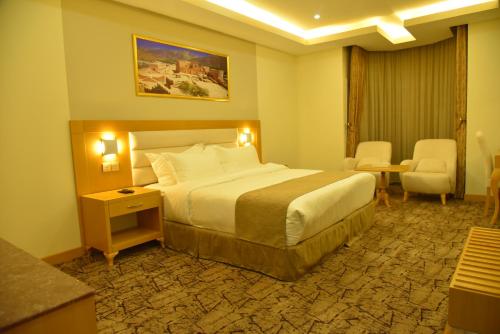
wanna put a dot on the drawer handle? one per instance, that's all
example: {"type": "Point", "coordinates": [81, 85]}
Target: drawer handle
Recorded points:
{"type": "Point", "coordinates": [134, 206]}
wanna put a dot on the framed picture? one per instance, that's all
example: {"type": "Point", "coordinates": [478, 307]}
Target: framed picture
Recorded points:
{"type": "Point", "coordinates": [165, 69]}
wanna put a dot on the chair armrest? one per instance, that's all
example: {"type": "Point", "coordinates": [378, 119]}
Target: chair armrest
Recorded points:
{"type": "Point", "coordinates": [411, 163]}
{"type": "Point", "coordinates": [350, 163]}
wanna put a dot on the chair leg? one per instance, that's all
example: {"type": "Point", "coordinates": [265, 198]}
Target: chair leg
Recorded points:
{"type": "Point", "coordinates": [443, 199]}
{"type": "Point", "coordinates": [377, 196]}
{"type": "Point", "coordinates": [487, 201]}
{"type": "Point", "coordinates": [405, 196]}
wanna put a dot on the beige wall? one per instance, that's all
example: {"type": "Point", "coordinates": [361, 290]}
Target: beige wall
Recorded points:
{"type": "Point", "coordinates": [277, 104]}
{"type": "Point", "coordinates": [483, 100]}
{"type": "Point", "coordinates": [38, 206]}
{"type": "Point", "coordinates": [75, 62]}
{"type": "Point", "coordinates": [98, 45]}
{"type": "Point", "coordinates": [321, 109]}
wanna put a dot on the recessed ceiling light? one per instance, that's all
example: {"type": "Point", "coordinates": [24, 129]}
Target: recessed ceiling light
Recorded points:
{"type": "Point", "coordinates": [317, 16]}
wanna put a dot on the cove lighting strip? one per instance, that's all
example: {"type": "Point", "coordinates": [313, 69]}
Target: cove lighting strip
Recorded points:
{"type": "Point", "coordinates": [387, 26]}
{"type": "Point", "coordinates": [439, 7]}
{"type": "Point", "coordinates": [258, 14]}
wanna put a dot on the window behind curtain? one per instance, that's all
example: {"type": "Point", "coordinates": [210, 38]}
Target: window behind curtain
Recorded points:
{"type": "Point", "coordinates": [410, 95]}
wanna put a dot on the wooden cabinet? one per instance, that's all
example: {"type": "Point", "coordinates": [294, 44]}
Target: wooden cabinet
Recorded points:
{"type": "Point", "coordinates": [474, 303]}
{"type": "Point", "coordinates": [98, 210]}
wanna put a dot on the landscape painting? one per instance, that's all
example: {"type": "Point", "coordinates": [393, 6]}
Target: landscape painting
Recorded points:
{"type": "Point", "coordinates": [167, 70]}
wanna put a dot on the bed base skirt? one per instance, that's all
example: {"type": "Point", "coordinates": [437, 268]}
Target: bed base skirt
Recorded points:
{"type": "Point", "coordinates": [288, 264]}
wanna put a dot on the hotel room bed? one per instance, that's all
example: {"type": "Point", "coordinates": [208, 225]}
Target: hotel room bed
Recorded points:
{"type": "Point", "coordinates": [203, 217]}
{"type": "Point", "coordinates": [211, 203]}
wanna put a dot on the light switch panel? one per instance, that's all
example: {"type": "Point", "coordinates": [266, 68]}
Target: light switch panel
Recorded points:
{"type": "Point", "coordinates": [115, 166]}
{"type": "Point", "coordinates": [110, 166]}
{"type": "Point", "coordinates": [106, 167]}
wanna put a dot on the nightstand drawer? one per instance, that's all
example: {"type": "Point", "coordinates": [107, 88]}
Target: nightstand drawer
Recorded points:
{"type": "Point", "coordinates": [133, 205]}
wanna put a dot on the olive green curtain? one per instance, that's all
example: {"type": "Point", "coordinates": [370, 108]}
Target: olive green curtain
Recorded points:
{"type": "Point", "coordinates": [461, 106]}
{"type": "Point", "coordinates": [410, 95]}
{"type": "Point", "coordinates": [355, 98]}
{"type": "Point", "coordinates": [407, 95]}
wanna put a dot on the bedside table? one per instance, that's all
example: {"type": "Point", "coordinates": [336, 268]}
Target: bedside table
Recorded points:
{"type": "Point", "coordinates": [98, 209]}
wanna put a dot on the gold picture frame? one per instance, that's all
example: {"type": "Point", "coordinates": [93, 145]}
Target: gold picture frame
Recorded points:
{"type": "Point", "coordinates": [165, 69]}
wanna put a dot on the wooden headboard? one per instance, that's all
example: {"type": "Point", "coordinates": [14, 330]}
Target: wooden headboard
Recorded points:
{"type": "Point", "coordinates": [87, 163]}
{"type": "Point", "coordinates": [174, 141]}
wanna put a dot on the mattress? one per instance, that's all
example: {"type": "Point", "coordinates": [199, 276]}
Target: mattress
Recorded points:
{"type": "Point", "coordinates": [210, 203]}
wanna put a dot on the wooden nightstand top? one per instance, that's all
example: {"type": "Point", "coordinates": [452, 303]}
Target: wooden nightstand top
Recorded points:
{"type": "Point", "coordinates": [114, 195]}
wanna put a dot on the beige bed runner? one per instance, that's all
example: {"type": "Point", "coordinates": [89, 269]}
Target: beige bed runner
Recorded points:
{"type": "Point", "coordinates": [261, 214]}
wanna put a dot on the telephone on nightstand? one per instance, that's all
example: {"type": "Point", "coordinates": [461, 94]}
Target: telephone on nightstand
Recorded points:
{"type": "Point", "coordinates": [126, 191]}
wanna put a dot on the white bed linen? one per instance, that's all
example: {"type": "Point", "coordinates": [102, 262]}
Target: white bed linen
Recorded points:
{"type": "Point", "coordinates": [210, 203]}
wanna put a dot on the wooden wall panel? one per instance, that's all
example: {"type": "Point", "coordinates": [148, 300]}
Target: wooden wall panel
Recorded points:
{"type": "Point", "coordinates": [99, 181]}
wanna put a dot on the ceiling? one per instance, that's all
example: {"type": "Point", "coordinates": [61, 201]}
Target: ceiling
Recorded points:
{"type": "Point", "coordinates": [301, 12]}
{"type": "Point", "coordinates": [289, 26]}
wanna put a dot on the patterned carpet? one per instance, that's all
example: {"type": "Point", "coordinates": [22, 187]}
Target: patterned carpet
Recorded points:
{"type": "Point", "coordinates": [394, 279]}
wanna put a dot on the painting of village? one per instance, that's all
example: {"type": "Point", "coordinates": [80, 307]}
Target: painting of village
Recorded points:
{"type": "Point", "coordinates": [163, 69]}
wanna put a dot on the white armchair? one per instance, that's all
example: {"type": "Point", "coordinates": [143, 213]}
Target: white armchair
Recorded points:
{"type": "Point", "coordinates": [432, 169]}
{"type": "Point", "coordinates": [371, 153]}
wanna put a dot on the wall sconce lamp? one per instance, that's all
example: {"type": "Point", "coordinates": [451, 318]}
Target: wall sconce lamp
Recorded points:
{"type": "Point", "coordinates": [108, 147]}
{"type": "Point", "coordinates": [246, 137]}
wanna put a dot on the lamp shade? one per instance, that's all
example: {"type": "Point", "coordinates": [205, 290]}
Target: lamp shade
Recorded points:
{"type": "Point", "coordinates": [246, 138]}
{"type": "Point", "coordinates": [109, 146]}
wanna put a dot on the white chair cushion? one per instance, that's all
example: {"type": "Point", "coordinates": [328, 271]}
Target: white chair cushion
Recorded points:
{"type": "Point", "coordinates": [426, 183]}
{"type": "Point", "coordinates": [381, 150]}
{"type": "Point", "coordinates": [372, 162]}
{"type": "Point", "coordinates": [431, 166]}
{"type": "Point", "coordinates": [369, 161]}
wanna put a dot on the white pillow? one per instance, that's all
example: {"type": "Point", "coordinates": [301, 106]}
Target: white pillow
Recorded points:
{"type": "Point", "coordinates": [236, 159]}
{"type": "Point", "coordinates": [163, 169]}
{"type": "Point", "coordinates": [193, 166]}
{"type": "Point", "coordinates": [165, 172]}
{"type": "Point", "coordinates": [431, 166]}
